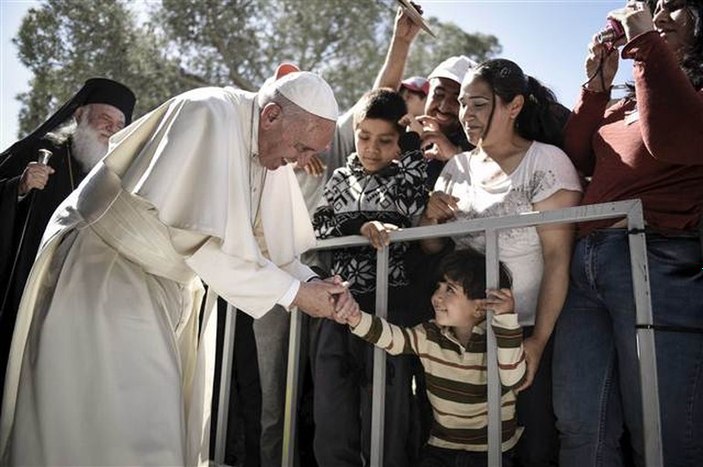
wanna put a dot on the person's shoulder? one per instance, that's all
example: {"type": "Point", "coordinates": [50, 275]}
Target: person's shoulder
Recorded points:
{"type": "Point", "coordinates": [209, 97]}
{"type": "Point", "coordinates": [459, 162]}
{"type": "Point", "coordinates": [546, 154]}
{"type": "Point", "coordinates": [216, 102]}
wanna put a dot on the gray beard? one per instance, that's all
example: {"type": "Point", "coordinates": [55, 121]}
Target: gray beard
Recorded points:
{"type": "Point", "coordinates": [86, 147]}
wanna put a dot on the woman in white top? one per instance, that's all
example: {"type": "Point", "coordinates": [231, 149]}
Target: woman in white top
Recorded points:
{"type": "Point", "coordinates": [515, 124]}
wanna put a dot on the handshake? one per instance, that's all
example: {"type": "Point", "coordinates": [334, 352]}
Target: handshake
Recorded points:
{"type": "Point", "coordinates": [329, 298]}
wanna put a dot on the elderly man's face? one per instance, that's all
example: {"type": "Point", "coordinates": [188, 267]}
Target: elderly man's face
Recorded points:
{"type": "Point", "coordinates": [284, 139]}
{"type": "Point", "coordinates": [105, 119]}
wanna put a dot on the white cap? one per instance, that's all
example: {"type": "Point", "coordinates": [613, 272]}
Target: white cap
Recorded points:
{"type": "Point", "coordinates": [453, 68]}
{"type": "Point", "coordinates": [308, 91]}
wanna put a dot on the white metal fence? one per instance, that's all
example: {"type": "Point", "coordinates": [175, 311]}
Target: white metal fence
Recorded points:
{"type": "Point", "coordinates": [631, 210]}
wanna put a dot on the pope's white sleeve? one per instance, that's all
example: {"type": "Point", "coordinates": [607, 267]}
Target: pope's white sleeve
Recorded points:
{"type": "Point", "coordinates": [251, 286]}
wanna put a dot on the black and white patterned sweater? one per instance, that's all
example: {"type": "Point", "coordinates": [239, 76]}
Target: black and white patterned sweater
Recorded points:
{"type": "Point", "coordinates": [396, 195]}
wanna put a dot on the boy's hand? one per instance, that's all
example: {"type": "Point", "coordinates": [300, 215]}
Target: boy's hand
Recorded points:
{"type": "Point", "coordinates": [347, 310]}
{"type": "Point", "coordinates": [499, 300]}
{"type": "Point", "coordinates": [377, 233]}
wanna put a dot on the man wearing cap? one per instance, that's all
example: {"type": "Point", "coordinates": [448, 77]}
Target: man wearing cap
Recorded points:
{"type": "Point", "coordinates": [77, 136]}
{"type": "Point", "coordinates": [117, 368]}
{"type": "Point", "coordinates": [414, 91]}
{"type": "Point", "coordinates": [439, 127]}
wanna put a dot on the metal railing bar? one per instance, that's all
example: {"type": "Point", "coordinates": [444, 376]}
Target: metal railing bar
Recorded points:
{"type": "Point", "coordinates": [495, 424]}
{"type": "Point", "coordinates": [577, 214]}
{"type": "Point", "coordinates": [225, 380]}
{"type": "Point", "coordinates": [378, 401]}
{"type": "Point", "coordinates": [632, 209]}
{"type": "Point", "coordinates": [292, 387]}
{"type": "Point", "coordinates": [645, 339]}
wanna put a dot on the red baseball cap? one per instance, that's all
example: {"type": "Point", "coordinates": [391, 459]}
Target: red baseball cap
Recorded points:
{"type": "Point", "coordinates": [416, 84]}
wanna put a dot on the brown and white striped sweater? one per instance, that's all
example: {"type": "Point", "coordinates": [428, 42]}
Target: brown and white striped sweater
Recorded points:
{"type": "Point", "coordinates": [457, 376]}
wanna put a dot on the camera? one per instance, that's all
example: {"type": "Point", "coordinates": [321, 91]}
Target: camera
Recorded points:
{"type": "Point", "coordinates": [612, 32]}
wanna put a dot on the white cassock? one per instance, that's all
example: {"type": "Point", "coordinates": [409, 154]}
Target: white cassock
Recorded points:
{"type": "Point", "coordinates": [108, 366]}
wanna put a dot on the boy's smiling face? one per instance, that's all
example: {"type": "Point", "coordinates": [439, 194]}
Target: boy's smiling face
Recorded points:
{"type": "Point", "coordinates": [376, 143]}
{"type": "Point", "coordinates": [452, 307]}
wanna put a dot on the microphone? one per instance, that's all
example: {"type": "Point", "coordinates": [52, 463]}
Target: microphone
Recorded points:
{"type": "Point", "coordinates": [44, 156]}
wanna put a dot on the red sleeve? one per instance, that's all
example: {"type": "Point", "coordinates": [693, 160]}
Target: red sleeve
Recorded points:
{"type": "Point", "coordinates": [583, 123]}
{"type": "Point", "coordinates": [670, 109]}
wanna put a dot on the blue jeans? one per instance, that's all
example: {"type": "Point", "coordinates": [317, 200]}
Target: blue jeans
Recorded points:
{"type": "Point", "coordinates": [596, 368]}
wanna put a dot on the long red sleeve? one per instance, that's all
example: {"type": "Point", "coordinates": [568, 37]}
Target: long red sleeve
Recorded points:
{"type": "Point", "coordinates": [651, 148]}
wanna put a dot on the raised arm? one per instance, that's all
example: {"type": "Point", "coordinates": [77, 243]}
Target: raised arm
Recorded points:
{"type": "Point", "coordinates": [404, 32]}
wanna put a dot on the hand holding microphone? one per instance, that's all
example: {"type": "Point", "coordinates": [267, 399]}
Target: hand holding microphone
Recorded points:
{"type": "Point", "coordinates": [36, 174]}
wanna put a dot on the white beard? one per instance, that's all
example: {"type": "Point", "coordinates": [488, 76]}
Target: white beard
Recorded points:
{"type": "Point", "coordinates": [87, 148]}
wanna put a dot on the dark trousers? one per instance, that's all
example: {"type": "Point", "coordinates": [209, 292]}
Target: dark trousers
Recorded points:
{"type": "Point", "coordinates": [441, 457]}
{"type": "Point", "coordinates": [343, 376]}
{"type": "Point", "coordinates": [244, 421]}
{"type": "Point", "coordinates": [539, 443]}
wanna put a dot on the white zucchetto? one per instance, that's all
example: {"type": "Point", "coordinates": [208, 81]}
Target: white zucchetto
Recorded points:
{"type": "Point", "coordinates": [308, 91]}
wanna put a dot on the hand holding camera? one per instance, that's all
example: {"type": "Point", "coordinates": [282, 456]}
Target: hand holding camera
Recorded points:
{"type": "Point", "coordinates": [624, 24]}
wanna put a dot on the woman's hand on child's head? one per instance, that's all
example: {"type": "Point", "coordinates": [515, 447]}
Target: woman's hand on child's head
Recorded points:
{"type": "Point", "coordinates": [377, 233]}
{"type": "Point", "coordinates": [499, 300]}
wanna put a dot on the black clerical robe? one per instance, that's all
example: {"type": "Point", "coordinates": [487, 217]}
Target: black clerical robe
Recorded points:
{"type": "Point", "coordinates": [34, 211]}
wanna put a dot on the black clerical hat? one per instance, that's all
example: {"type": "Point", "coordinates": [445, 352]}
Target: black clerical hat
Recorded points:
{"type": "Point", "coordinates": [94, 91]}
{"type": "Point", "coordinates": [107, 91]}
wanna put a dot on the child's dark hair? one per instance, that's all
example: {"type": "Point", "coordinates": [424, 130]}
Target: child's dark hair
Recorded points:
{"type": "Point", "coordinates": [468, 268]}
{"type": "Point", "coordinates": [383, 104]}
{"type": "Point", "coordinates": [540, 118]}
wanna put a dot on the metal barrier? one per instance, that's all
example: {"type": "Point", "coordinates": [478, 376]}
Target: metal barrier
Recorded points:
{"type": "Point", "coordinates": [632, 210]}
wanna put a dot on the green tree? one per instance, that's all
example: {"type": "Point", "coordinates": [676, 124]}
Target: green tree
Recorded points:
{"type": "Point", "coordinates": [166, 48]}
{"type": "Point", "coordinates": [63, 43]}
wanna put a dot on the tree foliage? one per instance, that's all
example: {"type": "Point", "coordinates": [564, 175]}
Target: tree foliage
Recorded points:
{"type": "Point", "coordinates": [164, 49]}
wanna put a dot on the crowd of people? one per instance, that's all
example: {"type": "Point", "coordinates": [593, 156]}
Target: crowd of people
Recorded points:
{"type": "Point", "coordinates": [119, 241]}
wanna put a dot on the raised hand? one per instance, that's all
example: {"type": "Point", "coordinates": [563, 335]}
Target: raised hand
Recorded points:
{"type": "Point", "coordinates": [404, 27]}
{"type": "Point", "coordinates": [431, 135]}
{"type": "Point", "coordinates": [601, 66]}
{"type": "Point", "coordinates": [499, 300]}
{"type": "Point", "coordinates": [313, 166]}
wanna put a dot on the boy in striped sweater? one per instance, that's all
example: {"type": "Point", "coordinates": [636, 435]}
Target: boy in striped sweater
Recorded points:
{"type": "Point", "coordinates": [452, 349]}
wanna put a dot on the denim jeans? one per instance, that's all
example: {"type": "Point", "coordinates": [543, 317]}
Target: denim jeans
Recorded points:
{"type": "Point", "coordinates": [596, 369]}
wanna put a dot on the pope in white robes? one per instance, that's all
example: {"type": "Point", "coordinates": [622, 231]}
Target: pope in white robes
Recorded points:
{"type": "Point", "coordinates": [109, 365]}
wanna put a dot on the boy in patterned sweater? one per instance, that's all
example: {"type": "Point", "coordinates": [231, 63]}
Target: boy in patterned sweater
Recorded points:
{"type": "Point", "coordinates": [452, 349]}
{"type": "Point", "coordinates": [381, 188]}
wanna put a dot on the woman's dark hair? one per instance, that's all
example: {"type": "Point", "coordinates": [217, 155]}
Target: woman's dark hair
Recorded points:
{"type": "Point", "coordinates": [468, 268]}
{"type": "Point", "coordinates": [692, 60]}
{"type": "Point", "coordinates": [541, 117]}
{"type": "Point", "coordinates": [692, 63]}
{"type": "Point", "coordinates": [383, 104]}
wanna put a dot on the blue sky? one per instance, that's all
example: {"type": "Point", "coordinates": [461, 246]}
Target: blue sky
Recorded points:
{"type": "Point", "coordinates": [547, 38]}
